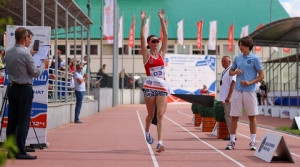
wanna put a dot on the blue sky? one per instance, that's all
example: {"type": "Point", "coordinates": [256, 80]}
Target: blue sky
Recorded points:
{"type": "Point", "coordinates": [292, 7]}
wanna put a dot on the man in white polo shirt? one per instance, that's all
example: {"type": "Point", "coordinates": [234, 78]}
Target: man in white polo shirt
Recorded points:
{"type": "Point", "coordinates": [227, 83]}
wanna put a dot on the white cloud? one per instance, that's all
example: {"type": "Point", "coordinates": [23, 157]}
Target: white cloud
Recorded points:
{"type": "Point", "coordinates": [292, 7]}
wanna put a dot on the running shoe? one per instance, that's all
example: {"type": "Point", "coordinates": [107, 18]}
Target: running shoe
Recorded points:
{"type": "Point", "coordinates": [252, 146]}
{"type": "Point", "coordinates": [149, 138]}
{"type": "Point", "coordinates": [160, 148]}
{"type": "Point", "coordinates": [230, 146]}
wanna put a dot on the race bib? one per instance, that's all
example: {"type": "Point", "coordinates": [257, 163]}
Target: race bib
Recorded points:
{"type": "Point", "coordinates": [157, 71]}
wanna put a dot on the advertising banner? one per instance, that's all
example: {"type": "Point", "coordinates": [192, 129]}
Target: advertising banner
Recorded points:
{"type": "Point", "coordinates": [40, 100]}
{"type": "Point", "coordinates": [186, 74]}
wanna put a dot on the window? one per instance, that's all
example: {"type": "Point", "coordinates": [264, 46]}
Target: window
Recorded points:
{"type": "Point", "coordinates": [62, 48]}
{"type": "Point", "coordinates": [213, 52]}
{"type": "Point", "coordinates": [78, 49]}
{"type": "Point", "coordinates": [183, 49]}
{"type": "Point", "coordinates": [125, 48]}
{"type": "Point", "coordinates": [137, 50]}
{"type": "Point", "coordinates": [225, 50]}
{"type": "Point", "coordinates": [196, 51]}
{"type": "Point", "coordinates": [170, 49]}
{"type": "Point", "coordinates": [94, 49]}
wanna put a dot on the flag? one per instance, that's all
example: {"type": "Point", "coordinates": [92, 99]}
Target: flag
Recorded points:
{"type": "Point", "coordinates": [120, 34]}
{"type": "Point", "coordinates": [108, 26]}
{"type": "Point", "coordinates": [258, 48]}
{"type": "Point", "coordinates": [180, 32]}
{"type": "Point", "coordinates": [161, 32]}
{"type": "Point", "coordinates": [199, 34]}
{"type": "Point", "coordinates": [212, 35]}
{"type": "Point", "coordinates": [230, 38]}
{"type": "Point", "coordinates": [131, 34]}
{"type": "Point", "coordinates": [287, 50]}
{"type": "Point", "coordinates": [147, 28]}
{"type": "Point", "coordinates": [245, 31]}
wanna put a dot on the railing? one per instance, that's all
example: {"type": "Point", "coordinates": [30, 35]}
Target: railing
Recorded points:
{"type": "Point", "coordinates": [65, 87]}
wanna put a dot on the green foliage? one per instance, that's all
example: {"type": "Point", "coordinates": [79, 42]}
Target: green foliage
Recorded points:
{"type": "Point", "coordinates": [206, 111]}
{"type": "Point", "coordinates": [4, 20]}
{"type": "Point", "coordinates": [288, 129]}
{"type": "Point", "coordinates": [219, 111]}
{"type": "Point", "coordinates": [194, 108]}
{"type": "Point", "coordinates": [10, 147]}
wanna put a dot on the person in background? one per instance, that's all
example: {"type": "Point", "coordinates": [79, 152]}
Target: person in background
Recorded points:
{"type": "Point", "coordinates": [21, 70]}
{"type": "Point", "coordinates": [258, 95]}
{"type": "Point", "coordinates": [153, 61]}
{"type": "Point", "coordinates": [204, 90]}
{"type": "Point", "coordinates": [102, 70]}
{"type": "Point", "coordinates": [248, 70]}
{"type": "Point", "coordinates": [79, 90]}
{"type": "Point", "coordinates": [71, 66]}
{"type": "Point", "coordinates": [264, 93]}
{"type": "Point", "coordinates": [227, 84]}
{"type": "Point", "coordinates": [2, 64]}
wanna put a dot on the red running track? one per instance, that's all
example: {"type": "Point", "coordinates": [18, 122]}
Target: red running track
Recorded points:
{"type": "Point", "coordinates": [115, 137]}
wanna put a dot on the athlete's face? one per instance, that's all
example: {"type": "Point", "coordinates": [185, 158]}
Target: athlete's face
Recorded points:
{"type": "Point", "coordinates": [153, 43]}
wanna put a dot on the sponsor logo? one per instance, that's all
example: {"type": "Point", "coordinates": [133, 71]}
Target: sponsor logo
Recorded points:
{"type": "Point", "coordinates": [150, 61]}
{"type": "Point", "coordinates": [262, 144]}
{"type": "Point", "coordinates": [149, 82]}
{"type": "Point", "coordinates": [286, 113]}
{"type": "Point", "coordinates": [12, 34]}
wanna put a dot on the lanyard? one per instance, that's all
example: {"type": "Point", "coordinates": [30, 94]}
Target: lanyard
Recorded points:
{"type": "Point", "coordinates": [225, 71]}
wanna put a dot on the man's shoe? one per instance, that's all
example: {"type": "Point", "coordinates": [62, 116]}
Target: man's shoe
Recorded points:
{"type": "Point", "coordinates": [25, 156]}
{"type": "Point", "coordinates": [149, 138]}
{"type": "Point", "coordinates": [160, 148]}
{"type": "Point", "coordinates": [78, 122]}
{"type": "Point", "coordinates": [230, 145]}
{"type": "Point", "coordinates": [252, 146]}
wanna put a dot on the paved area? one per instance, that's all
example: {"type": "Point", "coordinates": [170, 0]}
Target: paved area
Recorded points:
{"type": "Point", "coordinates": [115, 137]}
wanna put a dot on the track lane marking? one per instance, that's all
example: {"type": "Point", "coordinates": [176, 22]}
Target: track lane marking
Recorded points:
{"type": "Point", "coordinates": [297, 155]}
{"type": "Point", "coordinates": [225, 155]}
{"type": "Point", "coordinates": [155, 163]}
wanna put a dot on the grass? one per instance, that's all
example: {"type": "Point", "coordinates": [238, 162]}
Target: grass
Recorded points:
{"type": "Point", "coordinates": [288, 129]}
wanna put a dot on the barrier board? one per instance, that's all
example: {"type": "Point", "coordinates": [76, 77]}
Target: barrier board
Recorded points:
{"type": "Point", "coordinates": [296, 123]}
{"type": "Point", "coordinates": [270, 144]}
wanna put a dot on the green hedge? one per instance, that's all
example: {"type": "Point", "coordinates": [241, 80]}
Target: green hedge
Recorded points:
{"type": "Point", "coordinates": [206, 111]}
{"type": "Point", "coordinates": [219, 111]}
{"type": "Point", "coordinates": [195, 108]}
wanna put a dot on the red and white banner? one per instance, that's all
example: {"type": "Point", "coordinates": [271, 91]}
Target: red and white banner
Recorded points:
{"type": "Point", "coordinates": [245, 31]}
{"type": "Point", "coordinates": [212, 35]}
{"type": "Point", "coordinates": [258, 48]}
{"type": "Point", "coordinates": [199, 34]}
{"type": "Point", "coordinates": [287, 50]}
{"type": "Point", "coordinates": [230, 38]}
{"type": "Point", "coordinates": [161, 32]}
{"type": "Point", "coordinates": [180, 32]}
{"type": "Point", "coordinates": [131, 34]}
{"type": "Point", "coordinates": [120, 34]}
{"type": "Point", "coordinates": [108, 26]}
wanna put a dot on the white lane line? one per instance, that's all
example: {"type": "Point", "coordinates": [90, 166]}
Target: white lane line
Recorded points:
{"type": "Point", "coordinates": [297, 155]}
{"type": "Point", "coordinates": [270, 130]}
{"type": "Point", "coordinates": [184, 114]}
{"type": "Point", "coordinates": [155, 163]}
{"type": "Point", "coordinates": [233, 160]}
